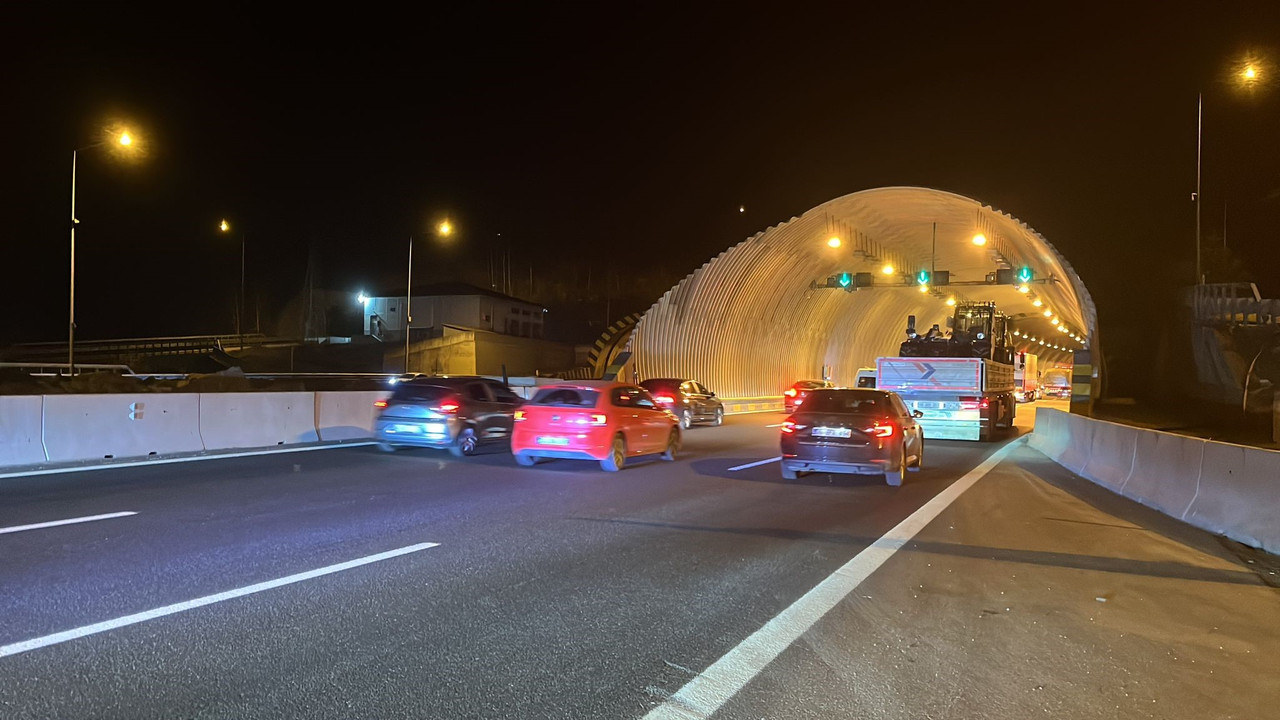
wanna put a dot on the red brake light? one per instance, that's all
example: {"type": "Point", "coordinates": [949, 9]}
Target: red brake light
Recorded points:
{"type": "Point", "coordinates": [380, 404]}
{"type": "Point", "coordinates": [663, 399]}
{"type": "Point", "coordinates": [881, 429]}
{"type": "Point", "coordinates": [984, 404]}
{"type": "Point", "coordinates": [790, 392]}
{"type": "Point", "coordinates": [788, 426]}
{"type": "Point", "coordinates": [519, 415]}
{"type": "Point", "coordinates": [448, 408]}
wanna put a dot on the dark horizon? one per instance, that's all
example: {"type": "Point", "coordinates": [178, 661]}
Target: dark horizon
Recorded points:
{"type": "Point", "coordinates": [604, 145]}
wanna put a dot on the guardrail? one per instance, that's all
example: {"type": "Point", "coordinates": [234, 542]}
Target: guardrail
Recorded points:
{"type": "Point", "coordinates": [1231, 490]}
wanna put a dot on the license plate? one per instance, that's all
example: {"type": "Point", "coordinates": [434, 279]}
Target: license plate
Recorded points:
{"type": "Point", "coordinates": [404, 428]}
{"type": "Point", "coordinates": [930, 405]}
{"type": "Point", "coordinates": [435, 428]}
{"type": "Point", "coordinates": [832, 432]}
{"type": "Point", "coordinates": [552, 440]}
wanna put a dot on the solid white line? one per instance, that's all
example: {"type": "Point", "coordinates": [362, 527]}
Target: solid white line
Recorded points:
{"type": "Point", "coordinates": [68, 635]}
{"type": "Point", "coordinates": [751, 465]}
{"type": "Point", "coordinates": [704, 694]}
{"type": "Point", "coordinates": [71, 521]}
{"type": "Point", "coordinates": [213, 455]}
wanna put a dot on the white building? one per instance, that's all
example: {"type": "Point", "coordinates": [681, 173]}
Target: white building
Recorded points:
{"type": "Point", "coordinates": [454, 304]}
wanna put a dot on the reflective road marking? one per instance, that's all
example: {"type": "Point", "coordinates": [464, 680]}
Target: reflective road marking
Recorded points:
{"type": "Point", "coordinates": [72, 521]}
{"type": "Point", "coordinates": [713, 687]}
{"type": "Point", "coordinates": [751, 465]}
{"type": "Point", "coordinates": [68, 635]}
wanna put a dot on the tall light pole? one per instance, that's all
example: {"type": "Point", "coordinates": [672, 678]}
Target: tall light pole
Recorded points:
{"type": "Point", "coordinates": [1199, 125]}
{"type": "Point", "coordinates": [225, 226]}
{"type": "Point", "coordinates": [125, 140]}
{"type": "Point", "coordinates": [443, 229]}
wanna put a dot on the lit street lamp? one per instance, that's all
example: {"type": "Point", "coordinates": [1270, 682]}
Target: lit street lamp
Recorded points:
{"type": "Point", "coordinates": [444, 229]}
{"type": "Point", "coordinates": [124, 139]}
{"type": "Point", "coordinates": [225, 226]}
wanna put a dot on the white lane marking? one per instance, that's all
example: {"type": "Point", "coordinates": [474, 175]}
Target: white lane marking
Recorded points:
{"type": "Point", "coordinates": [212, 455]}
{"type": "Point", "coordinates": [703, 695]}
{"type": "Point", "coordinates": [751, 465]}
{"type": "Point", "coordinates": [71, 521]}
{"type": "Point", "coordinates": [76, 633]}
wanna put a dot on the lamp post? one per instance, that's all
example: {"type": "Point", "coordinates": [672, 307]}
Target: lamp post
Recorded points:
{"type": "Point", "coordinates": [443, 229]}
{"type": "Point", "coordinates": [125, 140]}
{"type": "Point", "coordinates": [225, 226]}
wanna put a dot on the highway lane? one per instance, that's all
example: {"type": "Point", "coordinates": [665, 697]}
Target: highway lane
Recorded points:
{"type": "Point", "coordinates": [555, 591]}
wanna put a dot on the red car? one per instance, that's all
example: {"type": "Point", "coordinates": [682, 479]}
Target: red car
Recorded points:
{"type": "Point", "coordinates": [795, 395]}
{"type": "Point", "coordinates": [598, 420]}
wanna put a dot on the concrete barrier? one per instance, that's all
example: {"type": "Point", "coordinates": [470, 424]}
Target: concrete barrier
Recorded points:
{"type": "Point", "coordinates": [1166, 471]}
{"type": "Point", "coordinates": [1075, 455]}
{"type": "Point", "coordinates": [20, 420]}
{"type": "Point", "coordinates": [94, 427]}
{"type": "Point", "coordinates": [1231, 490]}
{"type": "Point", "coordinates": [248, 420]}
{"type": "Point", "coordinates": [346, 415]}
{"type": "Point", "coordinates": [1111, 455]}
{"type": "Point", "coordinates": [1052, 434]}
{"type": "Point", "coordinates": [1239, 495]}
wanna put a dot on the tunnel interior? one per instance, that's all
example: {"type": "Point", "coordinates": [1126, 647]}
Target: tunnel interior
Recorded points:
{"type": "Point", "coordinates": [760, 315]}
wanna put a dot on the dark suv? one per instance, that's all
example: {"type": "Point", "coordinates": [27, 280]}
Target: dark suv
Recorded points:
{"type": "Point", "coordinates": [688, 399]}
{"type": "Point", "coordinates": [460, 413]}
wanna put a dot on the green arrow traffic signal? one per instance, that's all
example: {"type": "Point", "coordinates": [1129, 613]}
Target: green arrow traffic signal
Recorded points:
{"type": "Point", "coordinates": [922, 277]}
{"type": "Point", "coordinates": [1025, 275]}
{"type": "Point", "coordinates": [845, 279]}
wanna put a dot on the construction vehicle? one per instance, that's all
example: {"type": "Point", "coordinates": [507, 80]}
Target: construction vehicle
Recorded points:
{"type": "Point", "coordinates": [961, 381]}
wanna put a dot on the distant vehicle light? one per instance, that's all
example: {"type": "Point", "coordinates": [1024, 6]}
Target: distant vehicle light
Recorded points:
{"type": "Point", "coordinates": [520, 416]}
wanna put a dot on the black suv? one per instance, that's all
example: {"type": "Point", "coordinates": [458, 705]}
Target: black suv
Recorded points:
{"type": "Point", "coordinates": [458, 412]}
{"type": "Point", "coordinates": [688, 399]}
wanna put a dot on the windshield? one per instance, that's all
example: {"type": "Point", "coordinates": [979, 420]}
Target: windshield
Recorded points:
{"type": "Point", "coordinates": [566, 397]}
{"type": "Point", "coordinates": [413, 392]}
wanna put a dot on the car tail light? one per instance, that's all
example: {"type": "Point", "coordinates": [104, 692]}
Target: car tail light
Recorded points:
{"type": "Point", "coordinates": [788, 426]}
{"type": "Point", "coordinates": [380, 404]}
{"type": "Point", "coordinates": [592, 419]}
{"type": "Point", "coordinates": [448, 408]}
{"type": "Point", "coordinates": [790, 392]}
{"type": "Point", "coordinates": [881, 429]}
{"type": "Point", "coordinates": [799, 401]}
{"type": "Point", "coordinates": [520, 416]}
{"type": "Point", "coordinates": [663, 399]}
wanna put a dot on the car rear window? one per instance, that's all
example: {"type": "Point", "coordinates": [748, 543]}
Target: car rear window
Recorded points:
{"type": "Point", "coordinates": [847, 402]}
{"type": "Point", "coordinates": [412, 392]}
{"type": "Point", "coordinates": [566, 397]}
{"type": "Point", "coordinates": [666, 385]}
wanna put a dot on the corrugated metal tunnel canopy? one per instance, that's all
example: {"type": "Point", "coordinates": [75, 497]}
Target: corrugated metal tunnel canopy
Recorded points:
{"type": "Point", "coordinates": [749, 322]}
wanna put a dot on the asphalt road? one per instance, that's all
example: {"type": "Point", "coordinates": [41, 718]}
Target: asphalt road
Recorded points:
{"type": "Point", "coordinates": [487, 590]}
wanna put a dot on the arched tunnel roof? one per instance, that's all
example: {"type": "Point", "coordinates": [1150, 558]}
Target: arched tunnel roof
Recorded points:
{"type": "Point", "coordinates": [749, 322]}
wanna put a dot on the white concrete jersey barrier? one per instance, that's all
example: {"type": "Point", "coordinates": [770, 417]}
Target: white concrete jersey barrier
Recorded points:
{"type": "Point", "coordinates": [346, 415]}
{"type": "Point", "coordinates": [1228, 489]}
{"type": "Point", "coordinates": [257, 419]}
{"type": "Point", "coordinates": [20, 439]}
{"type": "Point", "coordinates": [95, 427]}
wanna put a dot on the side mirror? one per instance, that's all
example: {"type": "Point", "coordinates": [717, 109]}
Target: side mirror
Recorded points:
{"type": "Point", "coordinates": [917, 414]}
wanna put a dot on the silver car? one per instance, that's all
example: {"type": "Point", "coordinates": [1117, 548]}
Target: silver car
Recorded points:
{"type": "Point", "coordinates": [458, 413]}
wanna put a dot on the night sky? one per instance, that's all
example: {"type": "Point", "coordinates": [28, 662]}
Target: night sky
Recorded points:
{"type": "Point", "coordinates": [622, 139]}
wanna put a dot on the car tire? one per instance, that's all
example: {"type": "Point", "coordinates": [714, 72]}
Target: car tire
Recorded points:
{"type": "Point", "coordinates": [788, 473]}
{"type": "Point", "coordinates": [466, 444]}
{"type": "Point", "coordinates": [526, 460]}
{"type": "Point", "coordinates": [686, 419]}
{"type": "Point", "coordinates": [918, 465]}
{"type": "Point", "coordinates": [896, 477]}
{"type": "Point", "coordinates": [719, 417]}
{"type": "Point", "coordinates": [673, 445]}
{"type": "Point", "coordinates": [617, 455]}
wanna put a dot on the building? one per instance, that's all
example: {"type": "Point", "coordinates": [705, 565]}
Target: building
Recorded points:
{"type": "Point", "coordinates": [453, 304]}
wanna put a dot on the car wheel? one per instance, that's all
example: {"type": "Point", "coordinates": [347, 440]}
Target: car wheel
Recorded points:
{"type": "Point", "coordinates": [673, 445]}
{"type": "Point", "coordinates": [686, 419]}
{"type": "Point", "coordinates": [919, 463]}
{"type": "Point", "coordinates": [896, 477]}
{"type": "Point", "coordinates": [465, 444]}
{"type": "Point", "coordinates": [788, 473]}
{"type": "Point", "coordinates": [617, 456]}
{"type": "Point", "coordinates": [387, 447]}
{"type": "Point", "coordinates": [719, 417]}
{"type": "Point", "coordinates": [526, 460]}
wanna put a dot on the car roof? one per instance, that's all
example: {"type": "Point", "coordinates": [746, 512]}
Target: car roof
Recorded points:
{"type": "Point", "coordinates": [585, 384]}
{"type": "Point", "coordinates": [666, 380]}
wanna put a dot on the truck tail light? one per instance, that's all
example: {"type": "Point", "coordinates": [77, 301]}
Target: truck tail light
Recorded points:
{"type": "Point", "coordinates": [974, 403]}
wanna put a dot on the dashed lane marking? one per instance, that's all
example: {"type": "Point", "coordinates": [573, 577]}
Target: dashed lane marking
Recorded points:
{"type": "Point", "coordinates": [69, 521]}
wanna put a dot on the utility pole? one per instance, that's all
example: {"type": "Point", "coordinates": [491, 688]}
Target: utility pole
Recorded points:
{"type": "Point", "coordinates": [408, 303]}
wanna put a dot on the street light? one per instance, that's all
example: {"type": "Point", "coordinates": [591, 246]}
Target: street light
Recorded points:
{"type": "Point", "coordinates": [887, 269]}
{"type": "Point", "coordinates": [979, 239]}
{"type": "Point", "coordinates": [124, 139]}
{"type": "Point", "coordinates": [225, 226]}
{"type": "Point", "coordinates": [834, 242]}
{"type": "Point", "coordinates": [443, 229]}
